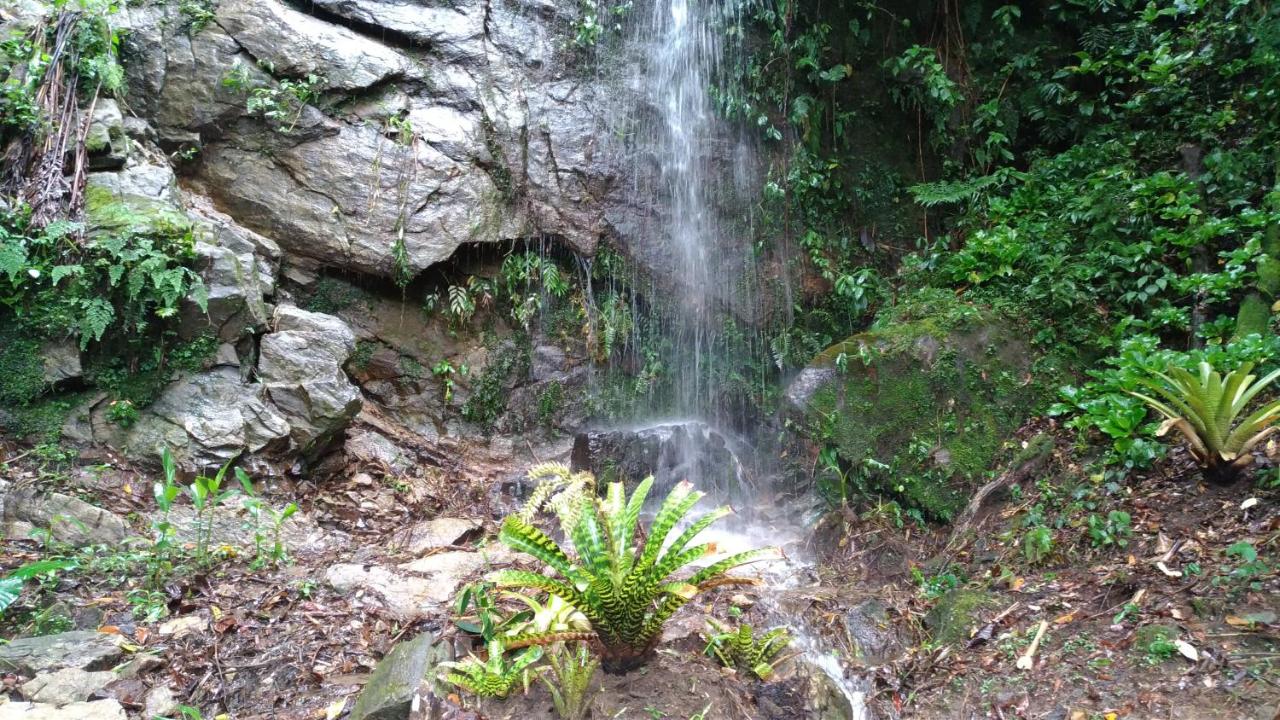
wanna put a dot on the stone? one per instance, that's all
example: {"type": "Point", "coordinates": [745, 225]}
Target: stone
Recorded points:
{"type": "Point", "coordinates": [78, 649]}
{"type": "Point", "coordinates": [70, 519]}
{"type": "Point", "coordinates": [297, 45]}
{"type": "Point", "coordinates": [232, 524]}
{"type": "Point", "coordinates": [206, 419]}
{"type": "Point", "coordinates": [955, 614]}
{"type": "Point", "coordinates": [61, 360]}
{"type": "Point", "coordinates": [390, 690]}
{"type": "Point", "coordinates": [155, 182]}
{"type": "Point", "coordinates": [66, 686]}
{"type": "Point", "coordinates": [184, 626]}
{"type": "Point", "coordinates": [376, 449]}
{"type": "Point", "coordinates": [95, 710]}
{"type": "Point", "coordinates": [437, 533]}
{"type": "Point", "coordinates": [106, 142]}
{"type": "Point", "coordinates": [301, 365]}
{"type": "Point", "coordinates": [406, 598]}
{"type": "Point", "coordinates": [956, 378]}
{"type": "Point", "coordinates": [159, 702]}
{"type": "Point", "coordinates": [548, 363]}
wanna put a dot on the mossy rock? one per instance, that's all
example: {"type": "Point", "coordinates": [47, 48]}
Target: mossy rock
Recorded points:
{"type": "Point", "coordinates": [109, 213]}
{"type": "Point", "coordinates": [956, 613]}
{"type": "Point", "coordinates": [1146, 635]}
{"type": "Point", "coordinates": [932, 395]}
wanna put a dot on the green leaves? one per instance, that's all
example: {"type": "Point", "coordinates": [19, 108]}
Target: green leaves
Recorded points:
{"type": "Point", "coordinates": [626, 592]}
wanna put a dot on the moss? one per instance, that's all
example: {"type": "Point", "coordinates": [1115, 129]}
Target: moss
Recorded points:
{"type": "Point", "coordinates": [108, 213]}
{"type": "Point", "coordinates": [956, 613]}
{"type": "Point", "coordinates": [1148, 634]}
{"type": "Point", "coordinates": [21, 370]}
{"type": "Point", "coordinates": [1254, 317]}
{"type": "Point", "coordinates": [930, 398]}
{"type": "Point", "coordinates": [331, 296]}
{"type": "Point", "coordinates": [40, 421]}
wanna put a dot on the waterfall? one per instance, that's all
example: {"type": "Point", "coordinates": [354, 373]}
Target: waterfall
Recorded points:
{"type": "Point", "coordinates": [689, 160]}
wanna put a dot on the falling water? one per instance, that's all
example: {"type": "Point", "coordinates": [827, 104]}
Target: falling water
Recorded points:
{"type": "Point", "coordinates": [689, 160]}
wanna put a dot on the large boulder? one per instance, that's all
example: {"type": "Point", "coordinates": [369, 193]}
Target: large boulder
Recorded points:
{"type": "Point", "coordinates": [301, 364]}
{"type": "Point", "coordinates": [921, 404]}
{"type": "Point", "coordinates": [68, 519]}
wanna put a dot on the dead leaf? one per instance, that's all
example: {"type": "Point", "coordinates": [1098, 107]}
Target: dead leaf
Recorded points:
{"type": "Point", "coordinates": [1188, 650]}
{"type": "Point", "coordinates": [335, 709]}
{"type": "Point", "coordinates": [1248, 503]}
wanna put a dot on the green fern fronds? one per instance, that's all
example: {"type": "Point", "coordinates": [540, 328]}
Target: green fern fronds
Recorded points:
{"type": "Point", "coordinates": [622, 584]}
{"type": "Point", "coordinates": [741, 649]}
{"type": "Point", "coordinates": [1205, 408]}
{"type": "Point", "coordinates": [946, 192]}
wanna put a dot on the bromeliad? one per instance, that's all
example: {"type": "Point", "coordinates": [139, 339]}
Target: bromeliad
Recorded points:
{"type": "Point", "coordinates": [625, 587]}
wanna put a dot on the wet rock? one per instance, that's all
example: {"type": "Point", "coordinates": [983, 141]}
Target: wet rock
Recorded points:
{"type": "Point", "coordinates": [956, 378]}
{"type": "Point", "coordinates": [70, 519]}
{"type": "Point", "coordinates": [548, 363]}
{"type": "Point", "coordinates": [671, 452]}
{"type": "Point", "coordinates": [872, 631]}
{"type": "Point", "coordinates": [437, 533]}
{"type": "Point", "coordinates": [96, 710]}
{"type": "Point", "coordinates": [106, 142]}
{"type": "Point", "coordinates": [301, 366]}
{"type": "Point", "coordinates": [78, 649]}
{"type": "Point", "coordinates": [66, 686]}
{"type": "Point", "coordinates": [61, 360]}
{"type": "Point", "coordinates": [391, 689]}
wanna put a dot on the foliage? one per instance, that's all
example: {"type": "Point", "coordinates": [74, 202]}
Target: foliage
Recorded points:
{"type": "Point", "coordinates": [446, 371]}
{"type": "Point", "coordinates": [497, 675]}
{"type": "Point", "coordinates": [565, 493]}
{"type": "Point", "coordinates": [484, 618]}
{"type": "Point", "coordinates": [276, 552]}
{"type": "Point", "coordinates": [625, 587]}
{"type": "Point", "coordinates": [744, 650]}
{"type": "Point", "coordinates": [281, 104]}
{"type": "Point", "coordinates": [1205, 408]}
{"type": "Point", "coordinates": [1037, 544]}
{"type": "Point", "coordinates": [117, 285]}
{"type": "Point", "coordinates": [11, 584]}
{"type": "Point", "coordinates": [489, 393]}
{"type": "Point", "coordinates": [569, 680]}
{"type": "Point", "coordinates": [1114, 530]}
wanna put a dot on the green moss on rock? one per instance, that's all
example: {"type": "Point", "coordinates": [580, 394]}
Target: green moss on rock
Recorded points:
{"type": "Point", "coordinates": [926, 400]}
{"type": "Point", "coordinates": [956, 613]}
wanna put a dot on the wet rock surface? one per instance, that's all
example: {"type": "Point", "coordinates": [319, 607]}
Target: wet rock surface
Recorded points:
{"type": "Point", "coordinates": [77, 650]}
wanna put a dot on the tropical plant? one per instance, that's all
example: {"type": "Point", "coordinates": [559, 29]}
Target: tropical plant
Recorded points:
{"type": "Point", "coordinates": [478, 613]}
{"type": "Point", "coordinates": [495, 676]}
{"type": "Point", "coordinates": [623, 586]}
{"type": "Point", "coordinates": [742, 649]}
{"type": "Point", "coordinates": [569, 679]}
{"type": "Point", "coordinates": [11, 584]}
{"type": "Point", "coordinates": [1205, 408]}
{"type": "Point", "coordinates": [564, 492]}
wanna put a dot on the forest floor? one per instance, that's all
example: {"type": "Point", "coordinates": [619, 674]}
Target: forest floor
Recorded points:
{"type": "Point", "coordinates": [1179, 622]}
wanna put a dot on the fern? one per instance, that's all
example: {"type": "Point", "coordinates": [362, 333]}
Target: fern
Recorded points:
{"type": "Point", "coordinates": [96, 317]}
{"type": "Point", "coordinates": [560, 490]}
{"type": "Point", "coordinates": [947, 192]}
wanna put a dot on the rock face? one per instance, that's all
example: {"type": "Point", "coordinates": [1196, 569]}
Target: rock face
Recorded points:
{"type": "Point", "coordinates": [66, 686]}
{"type": "Point", "coordinates": [96, 710]}
{"type": "Point", "coordinates": [398, 677]}
{"type": "Point", "coordinates": [490, 141]}
{"type": "Point", "coordinates": [933, 397]}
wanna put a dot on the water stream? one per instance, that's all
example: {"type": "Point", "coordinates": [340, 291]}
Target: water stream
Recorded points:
{"type": "Point", "coordinates": [680, 46]}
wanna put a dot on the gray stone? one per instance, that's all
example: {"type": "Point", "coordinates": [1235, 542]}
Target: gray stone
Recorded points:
{"type": "Point", "coordinates": [301, 365]}
{"type": "Point", "coordinates": [376, 449]}
{"type": "Point", "coordinates": [78, 649]}
{"type": "Point", "coordinates": [66, 686]}
{"type": "Point", "coordinates": [106, 142]}
{"type": "Point", "coordinates": [232, 524]}
{"type": "Point", "coordinates": [390, 691]}
{"type": "Point", "coordinates": [406, 598]}
{"type": "Point", "coordinates": [809, 381]}
{"type": "Point", "coordinates": [454, 29]}
{"type": "Point", "coordinates": [296, 45]}
{"type": "Point", "coordinates": [549, 363]}
{"type": "Point", "coordinates": [437, 533]}
{"type": "Point", "coordinates": [61, 360]}
{"type": "Point", "coordinates": [69, 519]}
{"type": "Point", "coordinates": [155, 182]}
{"type": "Point", "coordinates": [159, 702]}
{"type": "Point", "coordinates": [96, 710]}
{"type": "Point", "coordinates": [206, 419]}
